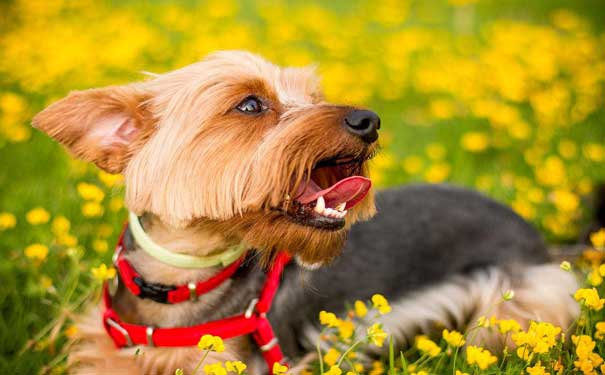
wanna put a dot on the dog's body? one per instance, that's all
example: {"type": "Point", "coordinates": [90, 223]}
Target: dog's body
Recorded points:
{"type": "Point", "coordinates": [234, 149]}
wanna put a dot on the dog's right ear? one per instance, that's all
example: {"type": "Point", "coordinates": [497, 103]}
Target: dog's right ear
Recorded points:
{"type": "Point", "coordinates": [105, 126]}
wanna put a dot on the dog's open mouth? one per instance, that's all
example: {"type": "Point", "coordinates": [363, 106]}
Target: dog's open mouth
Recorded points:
{"type": "Point", "coordinates": [323, 199]}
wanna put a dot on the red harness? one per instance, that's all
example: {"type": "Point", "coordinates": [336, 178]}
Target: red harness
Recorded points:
{"type": "Point", "coordinates": [252, 322]}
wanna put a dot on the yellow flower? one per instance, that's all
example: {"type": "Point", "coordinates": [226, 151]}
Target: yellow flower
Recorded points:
{"type": "Point", "coordinates": [37, 216]}
{"type": "Point", "coordinates": [458, 372]}
{"type": "Point", "coordinates": [179, 371]}
{"type": "Point", "coordinates": [427, 346]}
{"type": "Point", "coordinates": [235, 366]}
{"type": "Point", "coordinates": [60, 225]}
{"type": "Point", "coordinates": [36, 251]}
{"type": "Point", "coordinates": [215, 369]}
{"type": "Point", "coordinates": [435, 151]}
{"type": "Point", "coordinates": [538, 369]}
{"type": "Point", "coordinates": [71, 331]}
{"type": "Point", "coordinates": [90, 192]}
{"type": "Point", "coordinates": [103, 273]}
{"type": "Point", "coordinates": [346, 329]}
{"type": "Point", "coordinates": [474, 141]}
{"type": "Point", "coordinates": [412, 164]}
{"type": "Point", "coordinates": [598, 238]}
{"type": "Point", "coordinates": [7, 221]}
{"type": "Point", "coordinates": [480, 357]}
{"type": "Point", "coordinates": [453, 338]}
{"type": "Point", "coordinates": [377, 368]}
{"type": "Point", "coordinates": [92, 209]}
{"type": "Point", "coordinates": [381, 304]}
{"type": "Point", "coordinates": [212, 343]}
{"type": "Point", "coordinates": [590, 298]}
{"type": "Point", "coordinates": [508, 325]}
{"type": "Point", "coordinates": [421, 372]}
{"type": "Point", "coordinates": [334, 370]}
{"type": "Point", "coordinates": [376, 335]}
{"type": "Point", "coordinates": [331, 356]}
{"type": "Point", "coordinates": [437, 172]}
{"type": "Point", "coordinates": [328, 319]}
{"type": "Point", "coordinates": [279, 369]}
{"type": "Point", "coordinates": [565, 201]}
{"type": "Point", "coordinates": [67, 240]}
{"type": "Point", "coordinates": [565, 266]}
{"type": "Point", "coordinates": [100, 246]}
{"type": "Point", "coordinates": [600, 331]}
{"type": "Point", "coordinates": [361, 309]}
{"type": "Point", "coordinates": [587, 359]}
{"type": "Point", "coordinates": [508, 295]}
{"type": "Point", "coordinates": [109, 179]}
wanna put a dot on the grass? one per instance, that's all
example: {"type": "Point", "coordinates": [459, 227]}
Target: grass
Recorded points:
{"type": "Point", "coordinates": [505, 97]}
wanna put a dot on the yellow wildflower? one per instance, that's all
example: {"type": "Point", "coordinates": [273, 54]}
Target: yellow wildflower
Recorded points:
{"type": "Point", "coordinates": [590, 298]}
{"type": "Point", "coordinates": [539, 338]}
{"type": "Point", "coordinates": [598, 238]}
{"type": "Point", "coordinates": [100, 246]}
{"type": "Point", "coordinates": [376, 335]}
{"type": "Point", "coordinates": [92, 209]}
{"type": "Point", "coordinates": [110, 179]}
{"type": "Point", "coordinates": [480, 357]}
{"type": "Point", "coordinates": [565, 266]}
{"type": "Point", "coordinates": [453, 338]}
{"type": "Point", "coordinates": [474, 141]}
{"type": "Point", "coordinates": [90, 192]}
{"type": "Point", "coordinates": [334, 370]}
{"type": "Point", "coordinates": [67, 240]}
{"type": "Point", "coordinates": [421, 372]}
{"type": "Point", "coordinates": [458, 372]}
{"type": "Point", "coordinates": [331, 356]}
{"type": "Point", "coordinates": [37, 216]}
{"type": "Point", "coordinates": [361, 309]}
{"type": "Point", "coordinates": [508, 325]}
{"type": "Point", "coordinates": [538, 369]}
{"type": "Point", "coordinates": [587, 359]}
{"type": "Point", "coordinates": [71, 331]}
{"type": "Point", "coordinates": [279, 369]}
{"type": "Point", "coordinates": [60, 225]}
{"type": "Point", "coordinates": [212, 343]}
{"type": "Point", "coordinates": [36, 251]}
{"type": "Point", "coordinates": [508, 295]}
{"type": "Point", "coordinates": [427, 346]}
{"type": "Point", "coordinates": [436, 151]}
{"type": "Point", "coordinates": [600, 331]}
{"type": "Point", "coordinates": [103, 273]}
{"type": "Point", "coordinates": [594, 277]}
{"type": "Point", "coordinates": [346, 329]}
{"type": "Point", "coordinates": [235, 366]}
{"type": "Point", "coordinates": [215, 369]}
{"type": "Point", "coordinates": [437, 172]}
{"type": "Point", "coordinates": [328, 319]}
{"type": "Point", "coordinates": [565, 201]}
{"type": "Point", "coordinates": [7, 221]}
{"type": "Point", "coordinates": [412, 164]}
{"type": "Point", "coordinates": [381, 304]}
{"type": "Point", "coordinates": [179, 371]}
{"type": "Point", "coordinates": [377, 368]}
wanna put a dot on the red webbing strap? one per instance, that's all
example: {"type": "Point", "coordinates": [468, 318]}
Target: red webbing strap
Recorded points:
{"type": "Point", "coordinates": [182, 292]}
{"type": "Point", "coordinates": [272, 282]}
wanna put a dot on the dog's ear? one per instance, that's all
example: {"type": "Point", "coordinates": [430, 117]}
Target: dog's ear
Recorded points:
{"type": "Point", "coordinates": [105, 126]}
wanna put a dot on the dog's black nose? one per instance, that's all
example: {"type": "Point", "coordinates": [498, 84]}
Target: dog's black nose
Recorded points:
{"type": "Point", "coordinates": [364, 124]}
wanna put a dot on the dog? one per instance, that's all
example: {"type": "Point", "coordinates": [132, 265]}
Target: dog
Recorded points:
{"type": "Point", "coordinates": [234, 152]}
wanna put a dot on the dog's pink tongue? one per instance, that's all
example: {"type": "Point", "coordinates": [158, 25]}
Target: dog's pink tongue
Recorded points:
{"type": "Point", "coordinates": [350, 190]}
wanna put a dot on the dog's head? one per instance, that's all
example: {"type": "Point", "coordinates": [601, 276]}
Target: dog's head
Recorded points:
{"type": "Point", "coordinates": [232, 142]}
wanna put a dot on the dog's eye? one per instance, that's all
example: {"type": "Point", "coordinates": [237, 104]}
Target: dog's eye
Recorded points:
{"type": "Point", "coordinates": [251, 105]}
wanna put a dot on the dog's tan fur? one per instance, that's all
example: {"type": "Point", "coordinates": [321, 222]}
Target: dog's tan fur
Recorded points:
{"type": "Point", "coordinates": [205, 177]}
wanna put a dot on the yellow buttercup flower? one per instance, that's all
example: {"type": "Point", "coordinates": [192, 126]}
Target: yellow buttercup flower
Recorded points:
{"type": "Point", "coordinates": [328, 319]}
{"type": "Point", "coordinates": [427, 346]}
{"type": "Point", "coordinates": [481, 357]}
{"type": "Point", "coordinates": [458, 372]}
{"type": "Point", "coordinates": [235, 366]}
{"type": "Point", "coordinates": [179, 371]}
{"type": "Point", "coordinates": [474, 141]}
{"type": "Point", "coordinates": [60, 225]}
{"type": "Point", "coordinates": [279, 369]}
{"type": "Point", "coordinates": [599, 331]}
{"type": "Point", "coordinates": [7, 221]}
{"type": "Point", "coordinates": [381, 304]}
{"type": "Point", "coordinates": [346, 329]}
{"type": "Point", "coordinates": [453, 338]}
{"type": "Point", "coordinates": [215, 369]}
{"type": "Point", "coordinates": [587, 360]}
{"type": "Point", "coordinates": [334, 370]}
{"type": "Point", "coordinates": [212, 343]}
{"type": "Point", "coordinates": [37, 216]}
{"type": "Point", "coordinates": [361, 310]}
{"type": "Point", "coordinates": [508, 325]}
{"type": "Point", "coordinates": [590, 298]}
{"type": "Point", "coordinates": [377, 368]}
{"type": "Point", "coordinates": [109, 179]}
{"type": "Point", "coordinates": [90, 192]}
{"type": "Point", "coordinates": [71, 331]}
{"type": "Point", "coordinates": [103, 272]}
{"type": "Point", "coordinates": [92, 209]}
{"type": "Point", "coordinates": [537, 369]}
{"type": "Point", "coordinates": [598, 239]}
{"type": "Point", "coordinates": [376, 335]}
{"type": "Point", "coordinates": [331, 356]}
{"type": "Point", "coordinates": [36, 251]}
{"type": "Point", "coordinates": [565, 266]}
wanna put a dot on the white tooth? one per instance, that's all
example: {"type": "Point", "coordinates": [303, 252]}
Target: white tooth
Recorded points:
{"type": "Point", "coordinates": [329, 212]}
{"type": "Point", "coordinates": [320, 206]}
{"type": "Point", "coordinates": [341, 207]}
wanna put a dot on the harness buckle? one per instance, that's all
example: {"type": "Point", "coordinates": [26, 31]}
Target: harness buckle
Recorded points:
{"type": "Point", "coordinates": [250, 309]}
{"type": "Point", "coordinates": [112, 323]}
{"type": "Point", "coordinates": [192, 292]}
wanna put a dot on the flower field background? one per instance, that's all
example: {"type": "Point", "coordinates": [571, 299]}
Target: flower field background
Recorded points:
{"type": "Point", "coordinates": [507, 97]}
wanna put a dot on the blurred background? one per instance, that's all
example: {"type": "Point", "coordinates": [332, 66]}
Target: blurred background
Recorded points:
{"type": "Point", "coordinates": [506, 97]}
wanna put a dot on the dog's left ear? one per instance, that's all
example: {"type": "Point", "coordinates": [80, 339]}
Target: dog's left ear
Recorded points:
{"type": "Point", "coordinates": [105, 126]}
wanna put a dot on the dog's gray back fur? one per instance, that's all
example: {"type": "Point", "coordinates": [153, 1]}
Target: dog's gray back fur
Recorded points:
{"type": "Point", "coordinates": [421, 236]}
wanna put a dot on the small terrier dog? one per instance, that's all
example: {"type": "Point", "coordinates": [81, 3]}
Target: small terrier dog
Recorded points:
{"type": "Point", "coordinates": [234, 150]}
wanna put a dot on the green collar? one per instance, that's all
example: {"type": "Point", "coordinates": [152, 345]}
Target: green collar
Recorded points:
{"type": "Point", "coordinates": [181, 260]}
